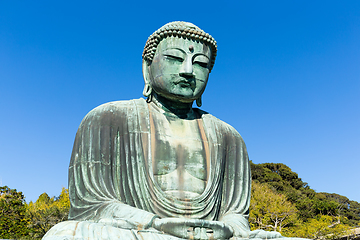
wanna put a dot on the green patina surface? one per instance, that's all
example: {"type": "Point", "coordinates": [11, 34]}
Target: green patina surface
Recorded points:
{"type": "Point", "coordinates": [161, 169]}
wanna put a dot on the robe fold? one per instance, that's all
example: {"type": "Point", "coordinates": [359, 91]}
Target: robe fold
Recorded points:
{"type": "Point", "coordinates": [112, 189]}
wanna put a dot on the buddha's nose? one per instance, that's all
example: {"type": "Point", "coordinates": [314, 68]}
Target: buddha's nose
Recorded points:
{"type": "Point", "coordinates": [187, 68]}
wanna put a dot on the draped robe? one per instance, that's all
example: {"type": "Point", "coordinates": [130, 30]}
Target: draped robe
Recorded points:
{"type": "Point", "coordinates": [112, 189]}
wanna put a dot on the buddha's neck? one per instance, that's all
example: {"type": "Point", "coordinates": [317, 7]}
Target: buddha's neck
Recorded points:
{"type": "Point", "coordinates": [178, 108]}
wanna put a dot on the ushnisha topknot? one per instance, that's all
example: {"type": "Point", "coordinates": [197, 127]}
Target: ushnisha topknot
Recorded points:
{"type": "Point", "coordinates": [182, 30]}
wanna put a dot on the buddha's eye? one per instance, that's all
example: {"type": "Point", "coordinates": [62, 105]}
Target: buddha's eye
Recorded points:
{"type": "Point", "coordinates": [202, 64]}
{"type": "Point", "coordinates": [201, 60]}
{"type": "Point", "coordinates": [174, 55]}
{"type": "Point", "coordinates": [173, 58]}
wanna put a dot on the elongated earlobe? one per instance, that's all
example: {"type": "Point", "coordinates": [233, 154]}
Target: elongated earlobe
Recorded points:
{"type": "Point", "coordinates": [199, 102]}
{"type": "Point", "coordinates": [148, 92]}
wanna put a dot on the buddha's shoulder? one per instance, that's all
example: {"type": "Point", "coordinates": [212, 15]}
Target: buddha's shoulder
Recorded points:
{"type": "Point", "coordinates": [118, 106]}
{"type": "Point", "coordinates": [220, 124]}
{"type": "Point", "coordinates": [115, 110]}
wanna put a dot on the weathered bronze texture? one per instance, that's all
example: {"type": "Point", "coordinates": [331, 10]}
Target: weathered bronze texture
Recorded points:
{"type": "Point", "coordinates": [159, 168]}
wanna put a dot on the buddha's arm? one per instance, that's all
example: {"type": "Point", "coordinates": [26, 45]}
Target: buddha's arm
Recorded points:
{"type": "Point", "coordinates": [124, 216]}
{"type": "Point", "coordinates": [236, 184]}
{"type": "Point", "coordinates": [238, 223]}
{"type": "Point", "coordinates": [236, 196]}
{"type": "Point", "coordinates": [104, 179]}
{"type": "Point", "coordinates": [92, 198]}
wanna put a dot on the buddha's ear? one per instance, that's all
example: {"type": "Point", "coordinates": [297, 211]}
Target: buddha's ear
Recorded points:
{"type": "Point", "coordinates": [146, 71]}
{"type": "Point", "coordinates": [146, 74]}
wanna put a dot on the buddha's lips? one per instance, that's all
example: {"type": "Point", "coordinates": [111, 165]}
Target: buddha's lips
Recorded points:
{"type": "Point", "coordinates": [190, 83]}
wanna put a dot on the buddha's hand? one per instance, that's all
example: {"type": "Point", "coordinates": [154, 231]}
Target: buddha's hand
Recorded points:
{"type": "Point", "coordinates": [264, 234]}
{"type": "Point", "coordinates": [193, 228]}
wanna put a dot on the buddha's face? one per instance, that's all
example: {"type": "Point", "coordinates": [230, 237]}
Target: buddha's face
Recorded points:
{"type": "Point", "coordinates": [180, 69]}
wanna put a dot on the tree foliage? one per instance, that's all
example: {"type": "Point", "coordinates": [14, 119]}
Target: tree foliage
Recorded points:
{"type": "Point", "coordinates": [320, 215]}
{"type": "Point", "coordinates": [46, 212]}
{"type": "Point", "coordinates": [322, 227]}
{"type": "Point", "coordinates": [347, 208]}
{"type": "Point", "coordinates": [13, 221]}
{"type": "Point", "coordinates": [270, 210]}
{"type": "Point", "coordinates": [308, 202]}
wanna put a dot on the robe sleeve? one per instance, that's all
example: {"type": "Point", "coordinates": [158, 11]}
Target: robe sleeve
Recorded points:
{"type": "Point", "coordinates": [100, 186]}
{"type": "Point", "coordinates": [236, 184]}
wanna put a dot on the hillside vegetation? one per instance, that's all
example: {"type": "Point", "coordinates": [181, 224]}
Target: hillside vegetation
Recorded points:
{"type": "Point", "coordinates": [280, 202]}
{"type": "Point", "coordinates": [291, 207]}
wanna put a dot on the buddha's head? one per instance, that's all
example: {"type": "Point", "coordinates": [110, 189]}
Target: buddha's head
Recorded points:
{"type": "Point", "coordinates": [177, 60]}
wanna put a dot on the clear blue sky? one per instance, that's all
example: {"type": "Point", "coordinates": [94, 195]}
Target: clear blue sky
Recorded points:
{"type": "Point", "coordinates": [287, 77]}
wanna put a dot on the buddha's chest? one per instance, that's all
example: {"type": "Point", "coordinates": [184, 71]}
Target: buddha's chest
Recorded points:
{"type": "Point", "coordinates": [179, 156]}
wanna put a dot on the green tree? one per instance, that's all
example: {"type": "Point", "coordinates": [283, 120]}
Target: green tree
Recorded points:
{"type": "Point", "coordinates": [46, 212]}
{"type": "Point", "coordinates": [347, 208]}
{"type": "Point", "coordinates": [322, 227]}
{"type": "Point", "coordinates": [13, 221]}
{"type": "Point", "coordinates": [320, 215]}
{"type": "Point", "coordinates": [270, 210]}
{"type": "Point", "coordinates": [309, 203]}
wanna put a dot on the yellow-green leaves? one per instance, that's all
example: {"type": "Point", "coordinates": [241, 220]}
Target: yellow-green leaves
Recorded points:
{"type": "Point", "coordinates": [322, 227]}
{"type": "Point", "coordinates": [270, 210]}
{"type": "Point", "coordinates": [46, 212]}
